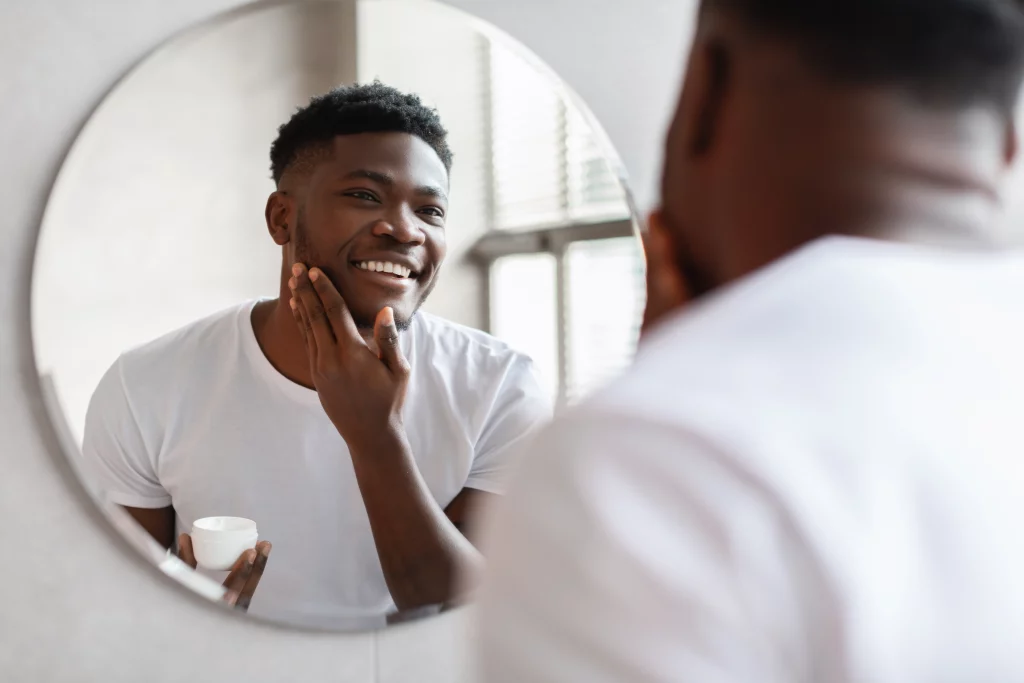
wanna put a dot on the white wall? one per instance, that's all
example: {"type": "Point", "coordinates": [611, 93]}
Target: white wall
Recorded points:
{"type": "Point", "coordinates": [78, 603]}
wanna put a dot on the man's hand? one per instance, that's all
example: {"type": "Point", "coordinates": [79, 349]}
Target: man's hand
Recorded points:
{"type": "Point", "coordinates": [361, 391]}
{"type": "Point", "coordinates": [245, 575]}
{"type": "Point", "coordinates": [666, 290]}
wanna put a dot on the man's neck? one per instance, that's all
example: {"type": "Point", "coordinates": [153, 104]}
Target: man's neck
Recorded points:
{"type": "Point", "coordinates": [904, 213]}
{"type": "Point", "coordinates": [278, 337]}
{"type": "Point", "coordinates": [279, 340]}
{"type": "Point", "coordinates": [890, 170]}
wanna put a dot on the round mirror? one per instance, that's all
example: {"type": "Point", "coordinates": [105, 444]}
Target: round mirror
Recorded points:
{"type": "Point", "coordinates": [307, 279]}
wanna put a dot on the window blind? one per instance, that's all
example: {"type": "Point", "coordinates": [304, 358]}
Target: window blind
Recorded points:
{"type": "Point", "coordinates": [548, 167]}
{"type": "Point", "coordinates": [605, 296]}
{"type": "Point", "coordinates": [575, 310]}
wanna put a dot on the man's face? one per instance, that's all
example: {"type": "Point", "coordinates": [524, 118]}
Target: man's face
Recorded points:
{"type": "Point", "coordinates": [732, 154]}
{"type": "Point", "coordinates": [372, 217]}
{"type": "Point", "coordinates": [687, 180]}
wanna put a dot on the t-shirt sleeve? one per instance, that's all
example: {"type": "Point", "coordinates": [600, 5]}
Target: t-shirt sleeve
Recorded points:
{"type": "Point", "coordinates": [519, 407]}
{"type": "Point", "coordinates": [114, 450]}
{"type": "Point", "coordinates": [623, 553]}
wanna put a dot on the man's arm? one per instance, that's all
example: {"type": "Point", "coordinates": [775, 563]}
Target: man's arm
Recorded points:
{"type": "Point", "coordinates": [462, 511]}
{"type": "Point", "coordinates": [421, 549]}
{"type": "Point", "coordinates": [116, 458]}
{"type": "Point", "coordinates": [158, 523]}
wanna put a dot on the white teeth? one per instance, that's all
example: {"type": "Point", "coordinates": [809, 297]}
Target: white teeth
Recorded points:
{"type": "Point", "coordinates": [385, 267]}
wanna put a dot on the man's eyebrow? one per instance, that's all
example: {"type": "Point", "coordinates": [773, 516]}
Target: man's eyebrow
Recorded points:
{"type": "Point", "coordinates": [432, 191]}
{"type": "Point", "coordinates": [389, 181]}
{"type": "Point", "coordinates": [376, 176]}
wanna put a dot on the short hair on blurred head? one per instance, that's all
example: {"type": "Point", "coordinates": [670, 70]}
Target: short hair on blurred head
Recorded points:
{"type": "Point", "coordinates": [946, 53]}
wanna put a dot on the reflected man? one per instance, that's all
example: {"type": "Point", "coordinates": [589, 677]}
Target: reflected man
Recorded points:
{"type": "Point", "coordinates": [355, 430]}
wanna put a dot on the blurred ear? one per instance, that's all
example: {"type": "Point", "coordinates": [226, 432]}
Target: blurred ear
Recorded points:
{"type": "Point", "coordinates": [704, 95]}
{"type": "Point", "coordinates": [281, 215]}
{"type": "Point", "coordinates": [666, 287]}
{"type": "Point", "coordinates": [1012, 145]}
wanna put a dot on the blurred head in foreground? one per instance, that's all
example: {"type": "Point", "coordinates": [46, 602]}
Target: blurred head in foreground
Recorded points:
{"type": "Point", "coordinates": [801, 118]}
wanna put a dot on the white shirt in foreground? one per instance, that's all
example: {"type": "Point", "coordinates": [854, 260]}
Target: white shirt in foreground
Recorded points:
{"type": "Point", "coordinates": [815, 476]}
{"type": "Point", "coordinates": [201, 420]}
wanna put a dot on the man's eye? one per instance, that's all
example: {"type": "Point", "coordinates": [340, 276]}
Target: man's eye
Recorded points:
{"type": "Point", "coordinates": [432, 211]}
{"type": "Point", "coordinates": [360, 194]}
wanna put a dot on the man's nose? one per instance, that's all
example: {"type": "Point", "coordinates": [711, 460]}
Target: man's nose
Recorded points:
{"type": "Point", "coordinates": [400, 225]}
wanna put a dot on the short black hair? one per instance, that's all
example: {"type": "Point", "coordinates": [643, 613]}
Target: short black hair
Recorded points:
{"type": "Point", "coordinates": [952, 53]}
{"type": "Point", "coordinates": [349, 110]}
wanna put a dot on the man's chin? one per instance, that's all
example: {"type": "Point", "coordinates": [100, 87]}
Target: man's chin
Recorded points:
{"type": "Point", "coordinates": [366, 322]}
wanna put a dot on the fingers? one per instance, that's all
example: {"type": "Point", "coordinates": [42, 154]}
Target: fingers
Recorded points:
{"type": "Point", "coordinates": [666, 289]}
{"type": "Point", "coordinates": [238, 577]}
{"type": "Point", "coordinates": [385, 334]}
{"type": "Point", "coordinates": [338, 315]}
{"type": "Point", "coordinates": [245, 575]}
{"type": "Point", "coordinates": [299, 313]}
{"type": "Point", "coordinates": [185, 552]}
{"type": "Point", "coordinates": [317, 325]}
{"type": "Point", "coordinates": [300, 321]}
{"type": "Point", "coordinates": [262, 554]}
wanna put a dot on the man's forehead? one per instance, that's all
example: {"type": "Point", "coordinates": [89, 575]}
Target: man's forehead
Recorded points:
{"type": "Point", "coordinates": [380, 151]}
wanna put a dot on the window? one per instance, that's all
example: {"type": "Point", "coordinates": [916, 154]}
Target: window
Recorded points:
{"type": "Point", "coordinates": [604, 306]}
{"type": "Point", "coordinates": [524, 311]}
{"type": "Point", "coordinates": [565, 270]}
{"type": "Point", "coordinates": [548, 168]}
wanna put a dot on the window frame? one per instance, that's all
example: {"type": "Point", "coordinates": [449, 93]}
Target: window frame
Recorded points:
{"type": "Point", "coordinates": [553, 240]}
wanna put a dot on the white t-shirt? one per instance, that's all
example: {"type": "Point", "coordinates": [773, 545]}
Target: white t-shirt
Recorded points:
{"type": "Point", "coordinates": [815, 476]}
{"type": "Point", "coordinates": [199, 419]}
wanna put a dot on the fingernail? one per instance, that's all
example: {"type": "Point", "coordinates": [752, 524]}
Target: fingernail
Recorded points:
{"type": "Point", "coordinates": [291, 302]}
{"type": "Point", "coordinates": [314, 275]}
{"type": "Point", "coordinates": [293, 283]}
{"type": "Point", "coordinates": [231, 597]}
{"type": "Point", "coordinates": [297, 269]}
{"type": "Point", "coordinates": [389, 316]}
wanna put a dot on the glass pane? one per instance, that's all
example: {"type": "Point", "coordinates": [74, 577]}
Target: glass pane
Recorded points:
{"type": "Point", "coordinates": [594, 190]}
{"type": "Point", "coordinates": [524, 311]}
{"type": "Point", "coordinates": [605, 302]}
{"type": "Point", "coordinates": [527, 138]}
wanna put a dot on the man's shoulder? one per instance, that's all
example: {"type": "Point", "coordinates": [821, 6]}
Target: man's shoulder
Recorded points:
{"type": "Point", "coordinates": [158, 376]}
{"type": "Point", "coordinates": [444, 337]}
{"type": "Point", "coordinates": [188, 343]}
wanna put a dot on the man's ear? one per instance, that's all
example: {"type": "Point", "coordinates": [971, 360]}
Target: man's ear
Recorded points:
{"type": "Point", "coordinates": [280, 215]}
{"type": "Point", "coordinates": [1012, 142]}
{"type": "Point", "coordinates": [704, 95]}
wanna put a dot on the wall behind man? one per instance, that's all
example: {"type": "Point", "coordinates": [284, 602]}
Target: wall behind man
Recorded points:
{"type": "Point", "coordinates": [78, 603]}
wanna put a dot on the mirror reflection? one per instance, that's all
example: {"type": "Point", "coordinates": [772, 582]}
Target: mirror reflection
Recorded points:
{"type": "Point", "coordinates": [307, 279]}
